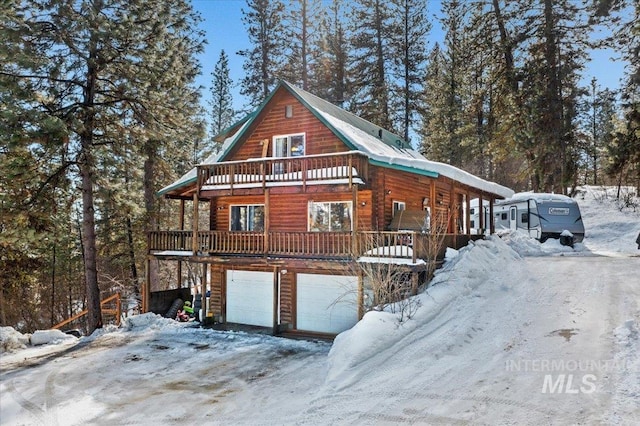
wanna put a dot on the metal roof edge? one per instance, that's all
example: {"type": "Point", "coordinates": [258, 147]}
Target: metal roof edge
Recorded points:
{"type": "Point", "coordinates": [175, 185]}
{"type": "Point", "coordinates": [428, 173]}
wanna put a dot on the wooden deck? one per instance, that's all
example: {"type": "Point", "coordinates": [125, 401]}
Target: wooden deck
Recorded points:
{"type": "Point", "coordinates": [347, 168]}
{"type": "Point", "coordinates": [311, 245]}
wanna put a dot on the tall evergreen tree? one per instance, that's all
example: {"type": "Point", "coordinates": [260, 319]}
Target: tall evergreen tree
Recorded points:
{"type": "Point", "coordinates": [598, 112]}
{"type": "Point", "coordinates": [330, 69]}
{"type": "Point", "coordinates": [264, 22]}
{"type": "Point", "coordinates": [302, 24]}
{"type": "Point", "coordinates": [543, 57]}
{"type": "Point", "coordinates": [409, 47]}
{"type": "Point", "coordinates": [369, 71]}
{"type": "Point", "coordinates": [623, 16]}
{"type": "Point", "coordinates": [435, 116]}
{"type": "Point", "coordinates": [99, 63]}
{"type": "Point", "coordinates": [222, 112]}
{"type": "Point", "coordinates": [446, 122]}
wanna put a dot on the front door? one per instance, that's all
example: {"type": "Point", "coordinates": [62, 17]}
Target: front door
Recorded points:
{"type": "Point", "coordinates": [513, 218]}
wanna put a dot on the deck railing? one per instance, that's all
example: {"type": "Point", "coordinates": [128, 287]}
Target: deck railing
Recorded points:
{"type": "Point", "coordinates": [306, 170]}
{"type": "Point", "coordinates": [323, 245]}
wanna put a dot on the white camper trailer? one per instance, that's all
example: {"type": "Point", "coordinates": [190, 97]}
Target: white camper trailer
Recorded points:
{"type": "Point", "coordinates": [474, 217]}
{"type": "Point", "coordinates": [542, 216]}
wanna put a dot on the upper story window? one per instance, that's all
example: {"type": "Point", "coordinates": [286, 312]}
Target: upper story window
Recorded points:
{"type": "Point", "coordinates": [289, 145]}
{"type": "Point", "coordinates": [398, 206]}
{"type": "Point", "coordinates": [330, 216]}
{"type": "Point", "coordinates": [247, 218]}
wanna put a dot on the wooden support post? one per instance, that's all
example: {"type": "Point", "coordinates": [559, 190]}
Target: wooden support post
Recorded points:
{"type": "Point", "coordinates": [146, 288]}
{"type": "Point", "coordinates": [266, 222]}
{"type": "Point", "coordinates": [354, 231]}
{"type": "Point", "coordinates": [204, 283]}
{"type": "Point", "coordinates": [492, 229]}
{"type": "Point", "coordinates": [414, 238]}
{"type": "Point", "coordinates": [481, 214]}
{"type": "Point", "coordinates": [194, 245]}
{"type": "Point", "coordinates": [182, 229]}
{"type": "Point", "coordinates": [468, 214]}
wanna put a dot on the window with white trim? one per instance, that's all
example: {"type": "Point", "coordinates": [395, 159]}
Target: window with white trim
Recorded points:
{"type": "Point", "coordinates": [333, 216]}
{"type": "Point", "coordinates": [247, 218]}
{"type": "Point", "coordinates": [289, 145]}
{"type": "Point", "coordinates": [398, 206]}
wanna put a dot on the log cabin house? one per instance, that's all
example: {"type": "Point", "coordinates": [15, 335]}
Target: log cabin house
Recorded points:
{"type": "Point", "coordinates": [300, 191]}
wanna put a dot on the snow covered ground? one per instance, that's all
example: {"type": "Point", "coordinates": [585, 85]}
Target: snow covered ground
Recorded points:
{"type": "Point", "coordinates": [511, 332]}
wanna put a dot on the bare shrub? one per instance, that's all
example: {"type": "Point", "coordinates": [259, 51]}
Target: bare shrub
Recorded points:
{"type": "Point", "coordinates": [392, 265]}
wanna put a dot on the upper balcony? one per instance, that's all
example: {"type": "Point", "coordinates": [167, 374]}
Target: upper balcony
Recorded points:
{"type": "Point", "coordinates": [410, 246]}
{"type": "Point", "coordinates": [342, 168]}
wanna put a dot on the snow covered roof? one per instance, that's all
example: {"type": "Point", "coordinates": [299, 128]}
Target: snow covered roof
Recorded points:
{"type": "Point", "coordinates": [383, 148]}
{"type": "Point", "coordinates": [540, 197]}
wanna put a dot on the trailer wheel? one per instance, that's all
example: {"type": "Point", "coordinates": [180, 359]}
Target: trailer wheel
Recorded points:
{"type": "Point", "coordinates": [175, 307]}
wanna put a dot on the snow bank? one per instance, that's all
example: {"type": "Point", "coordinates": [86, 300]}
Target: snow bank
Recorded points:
{"type": "Point", "coordinates": [525, 245]}
{"type": "Point", "coordinates": [11, 340]}
{"type": "Point", "coordinates": [148, 320]}
{"type": "Point", "coordinates": [471, 266]}
{"type": "Point", "coordinates": [45, 337]}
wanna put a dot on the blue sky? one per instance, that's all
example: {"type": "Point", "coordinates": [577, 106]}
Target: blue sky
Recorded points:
{"type": "Point", "coordinates": [224, 29]}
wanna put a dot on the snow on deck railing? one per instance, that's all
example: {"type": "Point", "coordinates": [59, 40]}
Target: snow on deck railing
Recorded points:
{"type": "Point", "coordinates": [348, 168]}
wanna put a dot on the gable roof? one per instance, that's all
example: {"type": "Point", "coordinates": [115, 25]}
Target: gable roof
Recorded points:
{"type": "Point", "coordinates": [383, 148]}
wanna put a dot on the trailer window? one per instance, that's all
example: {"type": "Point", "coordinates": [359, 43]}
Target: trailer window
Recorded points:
{"type": "Point", "coordinates": [503, 216]}
{"type": "Point", "coordinates": [525, 217]}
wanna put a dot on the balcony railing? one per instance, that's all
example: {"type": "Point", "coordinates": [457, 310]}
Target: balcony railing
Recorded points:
{"type": "Point", "coordinates": [321, 245]}
{"type": "Point", "coordinates": [349, 168]}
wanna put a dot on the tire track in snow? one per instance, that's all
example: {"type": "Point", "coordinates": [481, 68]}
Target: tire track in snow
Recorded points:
{"type": "Point", "coordinates": [323, 408]}
{"type": "Point", "coordinates": [32, 408]}
{"type": "Point", "coordinates": [50, 402]}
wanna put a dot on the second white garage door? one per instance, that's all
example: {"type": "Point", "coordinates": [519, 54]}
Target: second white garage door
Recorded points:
{"type": "Point", "coordinates": [250, 298]}
{"type": "Point", "coordinates": [326, 303]}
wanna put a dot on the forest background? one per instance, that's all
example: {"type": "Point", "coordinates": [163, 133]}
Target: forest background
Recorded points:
{"type": "Point", "coordinates": [100, 107]}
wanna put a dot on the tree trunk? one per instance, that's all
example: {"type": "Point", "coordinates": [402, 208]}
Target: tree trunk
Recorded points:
{"type": "Point", "coordinates": [132, 255]}
{"type": "Point", "coordinates": [94, 316]}
{"type": "Point", "coordinates": [150, 199]}
{"type": "Point", "coordinates": [87, 168]}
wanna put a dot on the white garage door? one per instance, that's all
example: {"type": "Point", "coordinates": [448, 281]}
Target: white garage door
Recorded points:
{"type": "Point", "coordinates": [326, 303]}
{"type": "Point", "coordinates": [250, 298]}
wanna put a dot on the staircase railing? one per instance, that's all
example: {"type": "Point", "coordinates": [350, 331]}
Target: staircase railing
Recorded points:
{"type": "Point", "coordinates": [117, 311]}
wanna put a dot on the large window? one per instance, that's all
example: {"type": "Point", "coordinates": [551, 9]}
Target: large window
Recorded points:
{"type": "Point", "coordinates": [247, 218]}
{"type": "Point", "coordinates": [330, 216]}
{"type": "Point", "coordinates": [288, 145]}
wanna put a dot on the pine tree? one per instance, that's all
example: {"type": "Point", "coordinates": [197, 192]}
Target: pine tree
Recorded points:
{"type": "Point", "coordinates": [302, 26]}
{"type": "Point", "coordinates": [329, 72]}
{"type": "Point", "coordinates": [369, 70]}
{"type": "Point", "coordinates": [409, 53]}
{"type": "Point", "coordinates": [263, 60]}
{"type": "Point", "coordinates": [445, 124]}
{"type": "Point", "coordinates": [222, 112]}
{"type": "Point", "coordinates": [106, 68]}
{"type": "Point", "coordinates": [599, 109]}
{"type": "Point", "coordinates": [622, 17]}
{"type": "Point", "coordinates": [434, 136]}
{"type": "Point", "coordinates": [542, 59]}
